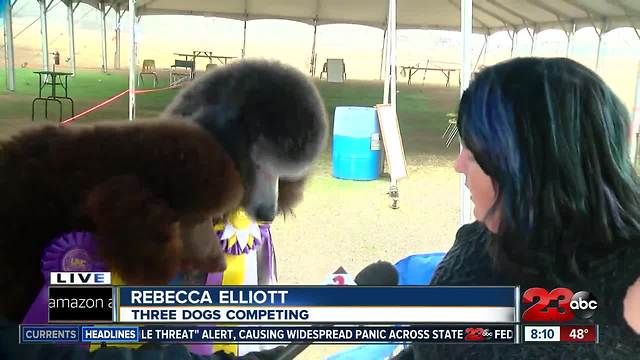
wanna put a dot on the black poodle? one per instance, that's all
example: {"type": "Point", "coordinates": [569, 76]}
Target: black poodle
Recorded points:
{"type": "Point", "coordinates": [270, 119]}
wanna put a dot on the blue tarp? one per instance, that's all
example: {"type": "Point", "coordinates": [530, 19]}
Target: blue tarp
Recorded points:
{"type": "Point", "coordinates": [418, 269]}
{"type": "Point", "coordinates": [367, 352]}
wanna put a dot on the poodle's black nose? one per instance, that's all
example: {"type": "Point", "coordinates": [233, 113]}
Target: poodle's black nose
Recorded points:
{"type": "Point", "coordinates": [265, 213]}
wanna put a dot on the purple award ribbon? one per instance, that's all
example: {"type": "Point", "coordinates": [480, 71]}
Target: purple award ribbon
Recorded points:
{"type": "Point", "coordinates": [266, 270]}
{"type": "Point", "coordinates": [74, 251]}
{"type": "Point", "coordinates": [266, 262]}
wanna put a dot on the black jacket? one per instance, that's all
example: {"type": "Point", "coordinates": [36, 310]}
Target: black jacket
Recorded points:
{"type": "Point", "coordinates": [468, 264]}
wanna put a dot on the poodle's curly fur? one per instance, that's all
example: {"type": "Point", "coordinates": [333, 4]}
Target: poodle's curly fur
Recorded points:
{"type": "Point", "coordinates": [137, 187]}
{"type": "Point", "coordinates": [270, 119]}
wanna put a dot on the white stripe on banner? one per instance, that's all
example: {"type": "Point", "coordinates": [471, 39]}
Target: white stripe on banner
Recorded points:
{"type": "Point", "coordinates": [251, 278]}
{"type": "Point", "coordinates": [250, 268]}
{"type": "Point", "coordinates": [326, 314]}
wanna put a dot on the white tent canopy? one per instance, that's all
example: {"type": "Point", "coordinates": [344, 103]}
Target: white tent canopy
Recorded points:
{"type": "Point", "coordinates": [480, 16]}
{"type": "Point", "coordinates": [489, 16]}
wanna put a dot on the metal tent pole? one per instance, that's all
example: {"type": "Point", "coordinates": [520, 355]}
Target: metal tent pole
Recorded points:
{"type": "Point", "coordinates": [466, 28]}
{"type": "Point", "coordinates": [8, 44]}
{"type": "Point", "coordinates": [132, 60]}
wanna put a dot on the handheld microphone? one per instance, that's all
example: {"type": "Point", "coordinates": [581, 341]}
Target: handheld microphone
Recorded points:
{"type": "Point", "coordinates": [381, 273]}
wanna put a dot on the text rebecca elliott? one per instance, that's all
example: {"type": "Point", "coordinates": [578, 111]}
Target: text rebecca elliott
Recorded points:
{"type": "Point", "coordinates": [232, 296]}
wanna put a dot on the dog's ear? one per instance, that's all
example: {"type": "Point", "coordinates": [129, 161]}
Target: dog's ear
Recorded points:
{"type": "Point", "coordinates": [202, 250]}
{"type": "Point", "coordinates": [290, 193]}
{"type": "Point", "coordinates": [137, 234]}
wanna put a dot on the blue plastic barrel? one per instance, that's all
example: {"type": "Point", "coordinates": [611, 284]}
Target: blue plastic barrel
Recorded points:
{"type": "Point", "coordinates": [356, 143]}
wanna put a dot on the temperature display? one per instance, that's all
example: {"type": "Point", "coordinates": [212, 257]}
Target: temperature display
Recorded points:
{"type": "Point", "coordinates": [586, 333]}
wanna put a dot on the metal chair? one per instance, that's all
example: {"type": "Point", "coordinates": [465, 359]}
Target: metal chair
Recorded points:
{"type": "Point", "coordinates": [182, 69]}
{"type": "Point", "coordinates": [149, 68]}
{"type": "Point", "coordinates": [335, 70]}
{"type": "Point", "coordinates": [452, 129]}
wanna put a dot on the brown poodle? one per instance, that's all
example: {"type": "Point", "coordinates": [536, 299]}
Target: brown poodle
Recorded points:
{"type": "Point", "coordinates": [146, 191]}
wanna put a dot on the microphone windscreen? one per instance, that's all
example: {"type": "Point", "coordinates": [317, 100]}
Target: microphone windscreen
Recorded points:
{"type": "Point", "coordinates": [381, 273]}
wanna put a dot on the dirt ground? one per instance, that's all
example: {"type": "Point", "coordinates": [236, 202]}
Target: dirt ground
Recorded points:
{"type": "Point", "coordinates": [353, 225]}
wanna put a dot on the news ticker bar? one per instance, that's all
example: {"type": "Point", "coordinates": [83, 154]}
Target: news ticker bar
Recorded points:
{"type": "Point", "coordinates": [328, 334]}
{"type": "Point", "coordinates": [562, 333]}
{"type": "Point", "coordinates": [284, 304]}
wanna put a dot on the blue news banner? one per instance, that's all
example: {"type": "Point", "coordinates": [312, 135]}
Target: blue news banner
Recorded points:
{"type": "Point", "coordinates": [319, 304]}
{"type": "Point", "coordinates": [319, 295]}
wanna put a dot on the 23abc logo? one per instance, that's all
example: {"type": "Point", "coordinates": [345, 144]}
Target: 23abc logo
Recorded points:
{"type": "Point", "coordinates": [582, 305]}
{"type": "Point", "coordinates": [477, 334]}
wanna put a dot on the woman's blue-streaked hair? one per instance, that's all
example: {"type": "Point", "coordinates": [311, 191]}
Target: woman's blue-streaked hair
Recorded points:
{"type": "Point", "coordinates": [554, 139]}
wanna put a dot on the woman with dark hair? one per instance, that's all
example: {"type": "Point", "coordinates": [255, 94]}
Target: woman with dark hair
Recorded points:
{"type": "Point", "coordinates": [556, 198]}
